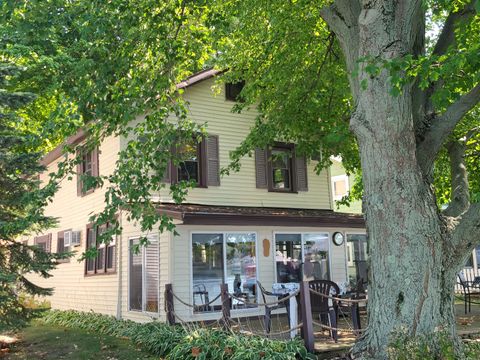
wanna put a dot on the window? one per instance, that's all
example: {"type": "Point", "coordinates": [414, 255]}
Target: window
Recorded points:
{"type": "Point", "coordinates": [233, 90]}
{"type": "Point", "coordinates": [144, 275]}
{"type": "Point", "coordinates": [223, 257]}
{"type": "Point", "coordinates": [340, 186]}
{"type": "Point", "coordinates": [44, 242]}
{"type": "Point", "coordinates": [357, 257]}
{"type": "Point", "coordinates": [88, 166]}
{"type": "Point", "coordinates": [190, 166]}
{"type": "Point", "coordinates": [104, 262]}
{"type": "Point", "coordinates": [302, 255]}
{"type": "Point", "coordinates": [197, 161]}
{"type": "Point", "coordinates": [280, 175]}
{"type": "Point", "coordinates": [61, 246]}
{"type": "Point", "coordinates": [279, 169]}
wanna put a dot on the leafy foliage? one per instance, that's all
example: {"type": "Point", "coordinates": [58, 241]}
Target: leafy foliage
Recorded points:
{"type": "Point", "coordinates": [21, 205]}
{"type": "Point", "coordinates": [174, 342]}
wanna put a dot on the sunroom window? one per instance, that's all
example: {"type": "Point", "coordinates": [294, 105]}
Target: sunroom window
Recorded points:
{"type": "Point", "coordinates": [223, 258]}
{"type": "Point", "coordinates": [302, 256]}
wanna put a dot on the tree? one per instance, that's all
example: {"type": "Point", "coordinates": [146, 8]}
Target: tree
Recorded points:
{"type": "Point", "coordinates": [21, 206]}
{"type": "Point", "coordinates": [409, 114]}
{"type": "Point", "coordinates": [360, 79]}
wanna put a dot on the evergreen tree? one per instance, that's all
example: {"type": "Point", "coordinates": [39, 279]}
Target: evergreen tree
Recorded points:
{"type": "Point", "coordinates": [21, 206]}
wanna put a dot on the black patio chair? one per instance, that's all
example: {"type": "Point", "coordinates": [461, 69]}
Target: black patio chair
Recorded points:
{"type": "Point", "coordinates": [326, 310]}
{"type": "Point", "coordinates": [268, 308]}
{"type": "Point", "coordinates": [466, 290]}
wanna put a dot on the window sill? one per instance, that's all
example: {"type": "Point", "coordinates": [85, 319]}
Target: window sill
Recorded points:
{"type": "Point", "coordinates": [100, 274]}
{"type": "Point", "coordinates": [283, 191]}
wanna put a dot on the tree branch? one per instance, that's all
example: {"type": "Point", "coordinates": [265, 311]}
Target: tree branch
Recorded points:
{"type": "Point", "coordinates": [442, 126]}
{"type": "Point", "coordinates": [467, 232]}
{"type": "Point", "coordinates": [447, 36]}
{"type": "Point", "coordinates": [460, 200]}
{"type": "Point", "coordinates": [342, 18]}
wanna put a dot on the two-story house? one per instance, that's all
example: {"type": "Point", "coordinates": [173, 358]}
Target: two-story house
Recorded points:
{"type": "Point", "coordinates": [270, 222]}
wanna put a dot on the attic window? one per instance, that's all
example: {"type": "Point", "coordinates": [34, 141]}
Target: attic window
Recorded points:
{"type": "Point", "coordinates": [232, 90]}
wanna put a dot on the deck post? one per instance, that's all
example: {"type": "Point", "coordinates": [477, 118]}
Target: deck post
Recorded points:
{"type": "Point", "coordinates": [169, 304]}
{"type": "Point", "coordinates": [225, 305]}
{"type": "Point", "coordinates": [306, 313]}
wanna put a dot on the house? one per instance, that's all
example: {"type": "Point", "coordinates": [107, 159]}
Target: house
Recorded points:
{"type": "Point", "coordinates": [246, 227]}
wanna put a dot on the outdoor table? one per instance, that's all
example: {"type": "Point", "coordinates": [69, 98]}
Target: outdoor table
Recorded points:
{"type": "Point", "coordinates": [285, 289]}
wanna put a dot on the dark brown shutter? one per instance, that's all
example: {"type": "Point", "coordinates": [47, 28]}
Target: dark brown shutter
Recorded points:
{"type": "Point", "coordinates": [213, 161]}
{"type": "Point", "coordinates": [79, 173]}
{"type": "Point", "coordinates": [48, 243]}
{"type": "Point", "coordinates": [261, 168]}
{"type": "Point", "coordinates": [301, 165]}
{"type": "Point", "coordinates": [95, 168]}
{"type": "Point", "coordinates": [60, 242]}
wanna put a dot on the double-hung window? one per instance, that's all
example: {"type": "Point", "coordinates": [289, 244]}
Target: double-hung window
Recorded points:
{"type": "Point", "coordinates": [228, 258]}
{"type": "Point", "coordinates": [44, 242]}
{"type": "Point", "coordinates": [281, 169]}
{"type": "Point", "coordinates": [302, 256]}
{"type": "Point", "coordinates": [61, 248]}
{"type": "Point", "coordinates": [88, 166]}
{"type": "Point", "coordinates": [144, 275]}
{"type": "Point", "coordinates": [105, 259]}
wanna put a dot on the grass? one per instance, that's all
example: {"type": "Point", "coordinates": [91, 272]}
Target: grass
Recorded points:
{"type": "Point", "coordinates": [48, 342]}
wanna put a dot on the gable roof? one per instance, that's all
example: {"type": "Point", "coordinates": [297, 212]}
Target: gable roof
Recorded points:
{"type": "Point", "coordinates": [81, 135]}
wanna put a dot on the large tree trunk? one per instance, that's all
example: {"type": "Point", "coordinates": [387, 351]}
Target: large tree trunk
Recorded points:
{"type": "Point", "coordinates": [415, 251]}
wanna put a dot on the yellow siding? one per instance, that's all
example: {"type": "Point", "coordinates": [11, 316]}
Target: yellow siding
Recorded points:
{"type": "Point", "coordinates": [73, 290]}
{"type": "Point", "coordinates": [239, 189]}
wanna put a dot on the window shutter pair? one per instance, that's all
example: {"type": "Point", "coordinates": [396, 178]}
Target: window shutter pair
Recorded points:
{"type": "Point", "coordinates": [261, 173]}
{"type": "Point", "coordinates": [210, 162]}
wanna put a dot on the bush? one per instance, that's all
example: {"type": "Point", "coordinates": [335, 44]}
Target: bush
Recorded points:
{"type": "Point", "coordinates": [404, 347]}
{"type": "Point", "coordinates": [174, 342]}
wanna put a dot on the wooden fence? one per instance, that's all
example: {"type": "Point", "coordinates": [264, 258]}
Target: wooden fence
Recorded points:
{"type": "Point", "coordinates": [303, 298]}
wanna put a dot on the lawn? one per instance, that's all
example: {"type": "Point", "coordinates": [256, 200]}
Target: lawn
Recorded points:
{"type": "Point", "coordinates": [42, 341]}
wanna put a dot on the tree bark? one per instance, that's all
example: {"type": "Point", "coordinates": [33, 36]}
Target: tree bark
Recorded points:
{"type": "Point", "coordinates": [412, 274]}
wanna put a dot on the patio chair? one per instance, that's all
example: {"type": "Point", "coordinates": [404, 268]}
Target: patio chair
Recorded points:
{"type": "Point", "coordinates": [323, 306]}
{"type": "Point", "coordinates": [466, 290]}
{"type": "Point", "coordinates": [268, 308]}
{"type": "Point", "coordinates": [201, 292]}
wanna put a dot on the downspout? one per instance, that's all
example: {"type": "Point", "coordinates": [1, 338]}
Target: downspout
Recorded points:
{"type": "Point", "coordinates": [120, 270]}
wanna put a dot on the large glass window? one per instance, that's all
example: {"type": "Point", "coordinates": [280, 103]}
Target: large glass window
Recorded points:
{"type": "Point", "coordinates": [357, 257]}
{"type": "Point", "coordinates": [316, 257]}
{"type": "Point", "coordinates": [302, 256]}
{"type": "Point", "coordinates": [223, 258]}
{"type": "Point", "coordinates": [288, 257]}
{"type": "Point", "coordinates": [144, 275]}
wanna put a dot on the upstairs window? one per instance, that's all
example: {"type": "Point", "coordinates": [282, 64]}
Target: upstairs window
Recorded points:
{"type": "Point", "coordinates": [198, 161]}
{"type": "Point", "coordinates": [88, 166]}
{"type": "Point", "coordinates": [233, 90]}
{"type": "Point", "coordinates": [340, 186]}
{"type": "Point", "coordinates": [280, 175]}
{"type": "Point", "coordinates": [190, 167]}
{"type": "Point", "coordinates": [279, 169]}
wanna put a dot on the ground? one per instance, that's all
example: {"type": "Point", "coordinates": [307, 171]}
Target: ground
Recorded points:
{"type": "Point", "coordinates": [47, 342]}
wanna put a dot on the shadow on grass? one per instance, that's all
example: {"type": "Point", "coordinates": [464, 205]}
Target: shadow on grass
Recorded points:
{"type": "Point", "coordinates": [42, 341]}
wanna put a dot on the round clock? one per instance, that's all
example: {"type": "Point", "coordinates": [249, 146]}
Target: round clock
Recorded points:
{"type": "Point", "coordinates": [338, 238]}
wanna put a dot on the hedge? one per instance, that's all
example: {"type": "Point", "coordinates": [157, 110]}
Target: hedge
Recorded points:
{"type": "Point", "coordinates": [175, 342]}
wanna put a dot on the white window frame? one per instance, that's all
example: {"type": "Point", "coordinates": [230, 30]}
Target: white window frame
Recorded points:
{"type": "Point", "coordinates": [346, 233]}
{"type": "Point", "coordinates": [343, 177]}
{"type": "Point", "coordinates": [224, 234]}
{"type": "Point", "coordinates": [150, 237]}
{"type": "Point", "coordinates": [302, 243]}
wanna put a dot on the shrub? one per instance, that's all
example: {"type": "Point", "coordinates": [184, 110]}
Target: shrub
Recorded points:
{"type": "Point", "coordinates": [405, 347]}
{"type": "Point", "coordinates": [174, 342]}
